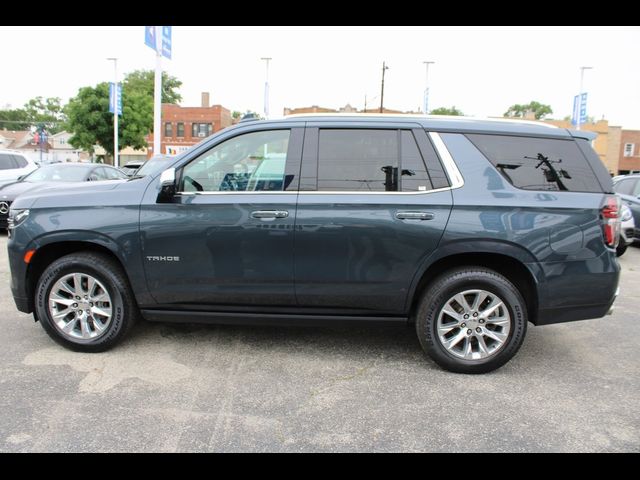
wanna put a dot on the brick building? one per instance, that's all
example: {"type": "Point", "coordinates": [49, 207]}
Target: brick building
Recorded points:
{"type": "Point", "coordinates": [183, 127]}
{"type": "Point", "coordinates": [346, 109]}
{"type": "Point", "coordinates": [629, 152]}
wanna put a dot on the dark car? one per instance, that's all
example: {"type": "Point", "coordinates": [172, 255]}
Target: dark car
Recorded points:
{"type": "Point", "coordinates": [628, 187]}
{"type": "Point", "coordinates": [130, 168]}
{"type": "Point", "coordinates": [467, 229]}
{"type": "Point", "coordinates": [52, 175]}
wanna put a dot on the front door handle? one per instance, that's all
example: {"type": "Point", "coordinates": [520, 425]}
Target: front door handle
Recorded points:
{"type": "Point", "coordinates": [415, 215]}
{"type": "Point", "coordinates": [269, 214]}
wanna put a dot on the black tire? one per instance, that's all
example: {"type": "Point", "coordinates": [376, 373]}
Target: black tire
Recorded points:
{"type": "Point", "coordinates": [621, 248]}
{"type": "Point", "coordinates": [456, 281]}
{"type": "Point", "coordinates": [107, 271]}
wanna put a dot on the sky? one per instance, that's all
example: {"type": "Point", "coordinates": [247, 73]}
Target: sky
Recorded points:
{"type": "Point", "coordinates": [480, 70]}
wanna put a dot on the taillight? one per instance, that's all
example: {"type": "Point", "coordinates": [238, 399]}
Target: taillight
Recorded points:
{"type": "Point", "coordinates": [611, 220]}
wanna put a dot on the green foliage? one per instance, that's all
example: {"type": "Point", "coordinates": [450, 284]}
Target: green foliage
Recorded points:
{"type": "Point", "coordinates": [142, 80]}
{"type": "Point", "coordinates": [36, 111]}
{"type": "Point", "coordinates": [446, 111]}
{"type": "Point", "coordinates": [92, 124]}
{"type": "Point", "coordinates": [539, 110]}
{"type": "Point", "coordinates": [17, 119]}
{"type": "Point", "coordinates": [89, 118]}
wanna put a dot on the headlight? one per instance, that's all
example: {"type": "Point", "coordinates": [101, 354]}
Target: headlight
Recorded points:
{"type": "Point", "coordinates": [16, 217]}
{"type": "Point", "coordinates": [626, 213]}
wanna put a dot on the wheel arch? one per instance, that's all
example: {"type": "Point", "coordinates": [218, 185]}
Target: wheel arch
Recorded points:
{"type": "Point", "coordinates": [51, 251]}
{"type": "Point", "coordinates": [511, 261]}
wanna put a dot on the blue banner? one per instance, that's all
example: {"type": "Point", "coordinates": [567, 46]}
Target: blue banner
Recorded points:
{"type": "Point", "coordinates": [576, 110]}
{"type": "Point", "coordinates": [150, 35]}
{"type": "Point", "coordinates": [115, 99]}
{"type": "Point", "coordinates": [579, 109]}
{"type": "Point", "coordinates": [583, 108]}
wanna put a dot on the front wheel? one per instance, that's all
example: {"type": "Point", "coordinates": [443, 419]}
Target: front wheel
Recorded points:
{"type": "Point", "coordinates": [84, 302]}
{"type": "Point", "coordinates": [471, 320]}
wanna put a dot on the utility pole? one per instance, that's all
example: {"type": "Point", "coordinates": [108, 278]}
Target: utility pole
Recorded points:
{"type": "Point", "coordinates": [115, 111]}
{"type": "Point", "coordinates": [266, 87]}
{"type": "Point", "coordinates": [426, 88]}
{"type": "Point", "coordinates": [384, 67]}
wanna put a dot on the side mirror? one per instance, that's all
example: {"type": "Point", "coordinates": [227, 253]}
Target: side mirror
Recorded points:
{"type": "Point", "coordinates": [167, 185]}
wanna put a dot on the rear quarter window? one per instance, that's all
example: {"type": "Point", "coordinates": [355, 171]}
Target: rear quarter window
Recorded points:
{"type": "Point", "coordinates": [534, 163]}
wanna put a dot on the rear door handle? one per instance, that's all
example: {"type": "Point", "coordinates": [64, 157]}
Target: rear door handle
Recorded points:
{"type": "Point", "coordinates": [269, 214]}
{"type": "Point", "coordinates": [415, 215]}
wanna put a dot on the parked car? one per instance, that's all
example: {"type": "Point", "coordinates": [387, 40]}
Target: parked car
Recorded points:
{"type": "Point", "coordinates": [628, 187]}
{"type": "Point", "coordinates": [627, 230]}
{"type": "Point", "coordinates": [53, 175]}
{"type": "Point", "coordinates": [467, 229]}
{"type": "Point", "coordinates": [131, 167]}
{"type": "Point", "coordinates": [14, 164]}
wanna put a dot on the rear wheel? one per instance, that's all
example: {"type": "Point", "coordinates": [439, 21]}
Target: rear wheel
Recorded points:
{"type": "Point", "coordinates": [471, 320]}
{"type": "Point", "coordinates": [84, 302]}
{"type": "Point", "coordinates": [621, 248]}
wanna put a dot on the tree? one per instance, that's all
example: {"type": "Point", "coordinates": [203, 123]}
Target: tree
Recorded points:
{"type": "Point", "coordinates": [142, 80]}
{"type": "Point", "coordinates": [447, 111]}
{"type": "Point", "coordinates": [36, 111]}
{"type": "Point", "coordinates": [538, 109]}
{"type": "Point", "coordinates": [92, 124]}
{"type": "Point", "coordinates": [16, 119]}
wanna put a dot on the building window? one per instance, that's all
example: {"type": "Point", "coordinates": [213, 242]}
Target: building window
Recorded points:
{"type": "Point", "coordinates": [201, 130]}
{"type": "Point", "coordinates": [180, 130]}
{"type": "Point", "coordinates": [168, 131]}
{"type": "Point", "coordinates": [628, 149]}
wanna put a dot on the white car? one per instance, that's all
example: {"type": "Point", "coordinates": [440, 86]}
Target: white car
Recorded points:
{"type": "Point", "coordinates": [627, 227]}
{"type": "Point", "coordinates": [13, 165]}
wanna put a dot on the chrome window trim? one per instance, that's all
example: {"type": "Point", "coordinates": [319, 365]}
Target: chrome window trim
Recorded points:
{"type": "Point", "coordinates": [455, 178]}
{"type": "Point", "coordinates": [450, 166]}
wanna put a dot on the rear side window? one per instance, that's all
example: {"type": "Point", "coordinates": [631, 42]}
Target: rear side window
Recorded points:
{"type": "Point", "coordinates": [625, 187]}
{"type": "Point", "coordinates": [7, 162]}
{"type": "Point", "coordinates": [358, 160]}
{"type": "Point", "coordinates": [414, 171]}
{"type": "Point", "coordinates": [20, 161]}
{"type": "Point", "coordinates": [538, 163]}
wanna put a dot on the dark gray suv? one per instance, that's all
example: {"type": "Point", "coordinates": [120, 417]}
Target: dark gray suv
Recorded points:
{"type": "Point", "coordinates": [468, 229]}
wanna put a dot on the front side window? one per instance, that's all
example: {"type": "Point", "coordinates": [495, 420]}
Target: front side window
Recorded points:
{"type": "Point", "coordinates": [250, 162]}
{"type": "Point", "coordinates": [358, 160]}
{"type": "Point", "coordinates": [533, 163]}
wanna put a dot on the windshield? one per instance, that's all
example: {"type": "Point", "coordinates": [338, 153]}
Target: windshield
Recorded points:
{"type": "Point", "coordinates": [155, 165]}
{"type": "Point", "coordinates": [57, 173]}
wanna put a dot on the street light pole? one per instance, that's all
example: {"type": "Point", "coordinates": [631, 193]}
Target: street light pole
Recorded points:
{"type": "Point", "coordinates": [582, 69]}
{"type": "Point", "coordinates": [115, 111]}
{"type": "Point", "coordinates": [384, 67]}
{"type": "Point", "coordinates": [426, 88]}
{"type": "Point", "coordinates": [266, 87]}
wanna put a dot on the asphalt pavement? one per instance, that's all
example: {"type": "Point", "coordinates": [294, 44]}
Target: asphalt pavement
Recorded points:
{"type": "Point", "coordinates": [573, 387]}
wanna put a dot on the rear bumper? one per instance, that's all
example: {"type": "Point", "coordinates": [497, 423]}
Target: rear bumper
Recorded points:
{"type": "Point", "coordinates": [577, 290]}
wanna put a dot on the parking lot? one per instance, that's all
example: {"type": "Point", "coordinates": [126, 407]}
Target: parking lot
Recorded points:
{"type": "Point", "coordinates": [572, 387]}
